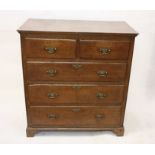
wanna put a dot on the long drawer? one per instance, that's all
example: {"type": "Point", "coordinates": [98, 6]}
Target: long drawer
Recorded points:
{"type": "Point", "coordinates": [75, 116]}
{"type": "Point", "coordinates": [67, 95]}
{"type": "Point", "coordinates": [76, 72]}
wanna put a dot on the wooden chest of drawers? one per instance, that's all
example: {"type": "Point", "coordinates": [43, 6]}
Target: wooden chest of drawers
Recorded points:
{"type": "Point", "coordinates": [76, 74]}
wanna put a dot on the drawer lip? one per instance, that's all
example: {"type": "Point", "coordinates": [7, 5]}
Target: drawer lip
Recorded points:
{"type": "Point", "coordinates": [44, 38]}
{"type": "Point", "coordinates": [74, 62]}
{"type": "Point", "coordinates": [68, 95]}
{"type": "Point", "coordinates": [103, 40]}
{"type": "Point", "coordinates": [74, 83]}
{"type": "Point", "coordinates": [112, 117]}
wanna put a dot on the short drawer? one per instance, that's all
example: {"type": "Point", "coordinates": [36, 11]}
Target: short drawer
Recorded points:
{"type": "Point", "coordinates": [75, 116]}
{"type": "Point", "coordinates": [76, 72]}
{"type": "Point", "coordinates": [49, 48]}
{"type": "Point", "coordinates": [104, 49]}
{"type": "Point", "coordinates": [73, 94]}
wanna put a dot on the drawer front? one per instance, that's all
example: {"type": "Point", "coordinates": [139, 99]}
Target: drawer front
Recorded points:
{"type": "Point", "coordinates": [50, 48]}
{"type": "Point", "coordinates": [75, 116]}
{"type": "Point", "coordinates": [67, 95]}
{"type": "Point", "coordinates": [76, 72]}
{"type": "Point", "coordinates": [104, 49]}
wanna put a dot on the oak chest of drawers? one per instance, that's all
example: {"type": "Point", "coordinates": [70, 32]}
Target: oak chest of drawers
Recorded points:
{"type": "Point", "coordinates": [76, 74]}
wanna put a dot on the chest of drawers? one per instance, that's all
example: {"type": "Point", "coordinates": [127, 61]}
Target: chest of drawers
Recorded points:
{"type": "Point", "coordinates": [76, 74]}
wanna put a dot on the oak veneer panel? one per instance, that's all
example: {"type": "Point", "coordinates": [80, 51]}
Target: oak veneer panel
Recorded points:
{"type": "Point", "coordinates": [75, 95]}
{"type": "Point", "coordinates": [90, 49]}
{"type": "Point", "coordinates": [37, 71]}
{"type": "Point", "coordinates": [75, 116]}
{"type": "Point", "coordinates": [40, 48]}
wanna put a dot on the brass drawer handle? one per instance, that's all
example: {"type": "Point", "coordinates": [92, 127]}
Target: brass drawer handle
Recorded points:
{"type": "Point", "coordinates": [76, 66]}
{"type": "Point", "coordinates": [50, 50]}
{"type": "Point", "coordinates": [102, 73]}
{"type": "Point", "coordinates": [104, 51]}
{"type": "Point", "coordinates": [101, 95]}
{"type": "Point", "coordinates": [76, 109]}
{"type": "Point", "coordinates": [52, 72]}
{"type": "Point", "coordinates": [100, 116]}
{"type": "Point", "coordinates": [52, 116]}
{"type": "Point", "coordinates": [52, 95]}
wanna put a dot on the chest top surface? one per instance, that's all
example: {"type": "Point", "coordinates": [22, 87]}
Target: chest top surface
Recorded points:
{"type": "Point", "coordinates": [45, 25]}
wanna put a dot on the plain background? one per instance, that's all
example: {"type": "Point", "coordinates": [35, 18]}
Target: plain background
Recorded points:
{"type": "Point", "coordinates": [139, 119]}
